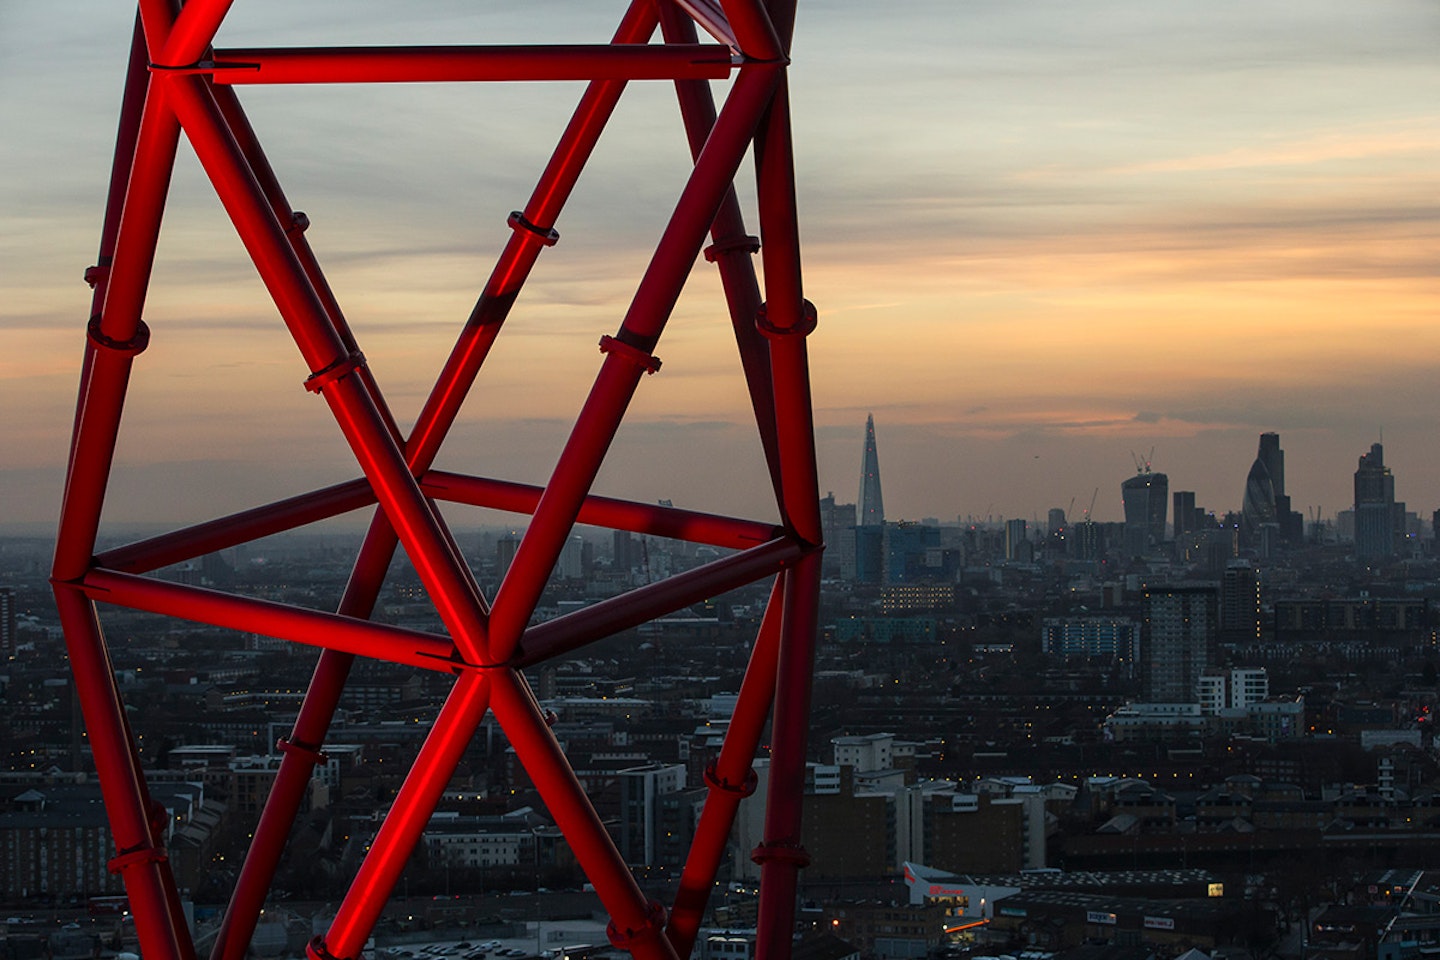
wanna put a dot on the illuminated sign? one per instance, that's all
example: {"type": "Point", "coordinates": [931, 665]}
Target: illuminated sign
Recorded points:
{"type": "Point", "coordinates": [1099, 916]}
{"type": "Point", "coordinates": [1217, 889]}
{"type": "Point", "coordinates": [1013, 912]}
{"type": "Point", "coordinates": [940, 890]}
{"type": "Point", "coordinates": [1160, 923]}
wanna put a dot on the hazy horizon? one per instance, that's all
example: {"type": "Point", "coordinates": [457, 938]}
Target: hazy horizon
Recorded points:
{"type": "Point", "coordinates": [1041, 238]}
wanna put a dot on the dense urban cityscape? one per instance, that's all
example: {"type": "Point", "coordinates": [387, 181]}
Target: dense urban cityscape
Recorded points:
{"type": "Point", "coordinates": [1185, 730]}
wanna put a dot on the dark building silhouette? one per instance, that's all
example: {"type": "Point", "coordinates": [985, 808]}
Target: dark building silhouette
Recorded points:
{"type": "Point", "coordinates": [1187, 517]}
{"type": "Point", "coordinates": [1239, 603]}
{"type": "Point", "coordinates": [1258, 507]}
{"type": "Point", "coordinates": [1274, 459]}
{"type": "Point", "coordinates": [1146, 499]}
{"type": "Point", "coordinates": [1378, 517]}
{"type": "Point", "coordinates": [872, 504]}
{"type": "Point", "coordinates": [7, 621]}
{"type": "Point", "coordinates": [837, 523]}
{"type": "Point", "coordinates": [1266, 517]}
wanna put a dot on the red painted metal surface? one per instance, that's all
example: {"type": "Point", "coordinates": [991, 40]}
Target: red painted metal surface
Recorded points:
{"type": "Point", "coordinates": [177, 83]}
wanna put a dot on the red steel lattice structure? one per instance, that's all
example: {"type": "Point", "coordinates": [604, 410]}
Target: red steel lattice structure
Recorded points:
{"type": "Point", "coordinates": [177, 81]}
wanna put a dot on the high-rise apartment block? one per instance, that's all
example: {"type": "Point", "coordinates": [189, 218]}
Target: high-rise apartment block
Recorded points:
{"type": "Point", "coordinates": [7, 621]}
{"type": "Point", "coordinates": [1239, 603]}
{"type": "Point", "coordinates": [1179, 631]}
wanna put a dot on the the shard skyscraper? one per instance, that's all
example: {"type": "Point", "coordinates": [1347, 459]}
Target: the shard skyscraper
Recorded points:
{"type": "Point", "coordinates": [872, 504]}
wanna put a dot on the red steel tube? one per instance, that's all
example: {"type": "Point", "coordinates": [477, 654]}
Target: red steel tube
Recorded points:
{"type": "Point", "coordinates": [728, 780]}
{"type": "Point", "coordinates": [287, 793]}
{"type": "Point", "coordinates": [448, 580]}
{"type": "Point", "coordinates": [308, 734]}
{"type": "Point", "coordinates": [282, 621]}
{"type": "Point", "coordinates": [789, 725]}
{"type": "Point", "coordinates": [452, 588]}
{"type": "Point", "coordinates": [255, 220]}
{"type": "Point", "coordinates": [145, 150]}
{"type": "Point", "coordinates": [251, 194]}
{"type": "Point", "coordinates": [554, 187]}
{"type": "Point", "coordinates": [157, 17]}
{"type": "Point", "coordinates": [795, 426]}
{"type": "Point", "coordinates": [148, 882]}
{"type": "Point", "coordinates": [619, 374]}
{"type": "Point", "coordinates": [249, 145]}
{"type": "Point", "coordinates": [192, 31]}
{"type": "Point", "coordinates": [782, 18]}
{"type": "Point", "coordinates": [555, 514]}
{"type": "Point", "coordinates": [554, 638]}
{"type": "Point", "coordinates": [753, 30]}
{"type": "Point", "coordinates": [418, 795]}
{"type": "Point", "coordinates": [788, 318]}
{"type": "Point", "coordinates": [97, 417]}
{"type": "Point", "coordinates": [219, 534]}
{"type": "Point", "coordinates": [708, 14]}
{"type": "Point", "coordinates": [450, 64]}
{"type": "Point", "coordinates": [434, 421]}
{"type": "Point", "coordinates": [714, 174]}
{"type": "Point", "coordinates": [630, 913]}
{"type": "Point", "coordinates": [671, 522]}
{"type": "Point", "coordinates": [132, 106]}
{"type": "Point", "coordinates": [734, 257]}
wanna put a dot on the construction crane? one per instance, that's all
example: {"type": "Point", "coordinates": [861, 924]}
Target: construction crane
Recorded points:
{"type": "Point", "coordinates": [1143, 466]}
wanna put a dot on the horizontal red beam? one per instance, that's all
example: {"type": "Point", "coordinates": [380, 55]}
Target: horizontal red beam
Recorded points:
{"type": "Point", "coordinates": [143, 556]}
{"type": "Point", "coordinates": [624, 61]}
{"type": "Point", "coordinates": [328, 630]}
{"type": "Point", "coordinates": [249, 525]}
{"type": "Point", "coordinates": [556, 637]}
{"type": "Point", "coordinates": [657, 521]}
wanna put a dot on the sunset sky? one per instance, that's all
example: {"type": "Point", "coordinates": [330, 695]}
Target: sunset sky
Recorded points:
{"type": "Point", "coordinates": [1041, 237]}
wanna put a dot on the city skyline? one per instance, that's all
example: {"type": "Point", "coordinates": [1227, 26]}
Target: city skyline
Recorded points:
{"type": "Point", "coordinates": [1061, 239]}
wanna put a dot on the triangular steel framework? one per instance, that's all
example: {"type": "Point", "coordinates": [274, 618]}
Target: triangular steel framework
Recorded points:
{"type": "Point", "coordinates": [178, 82]}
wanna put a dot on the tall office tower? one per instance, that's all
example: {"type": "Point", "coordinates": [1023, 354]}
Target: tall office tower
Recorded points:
{"type": "Point", "coordinates": [1184, 513]}
{"type": "Point", "coordinates": [505, 549]}
{"type": "Point", "coordinates": [1292, 522]}
{"type": "Point", "coordinates": [7, 621]}
{"type": "Point", "coordinates": [1239, 603]}
{"type": "Point", "coordinates": [872, 505]}
{"type": "Point", "coordinates": [641, 791]}
{"type": "Point", "coordinates": [1086, 540]}
{"type": "Point", "coordinates": [1177, 640]}
{"type": "Point", "coordinates": [1258, 507]}
{"type": "Point", "coordinates": [837, 524]}
{"type": "Point", "coordinates": [624, 551]}
{"type": "Point", "coordinates": [1375, 508]}
{"type": "Point", "coordinates": [1273, 457]}
{"type": "Point", "coordinates": [1265, 500]}
{"type": "Point", "coordinates": [1057, 532]}
{"type": "Point", "coordinates": [1146, 499]}
{"type": "Point", "coordinates": [1054, 520]}
{"type": "Point", "coordinates": [1016, 539]}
